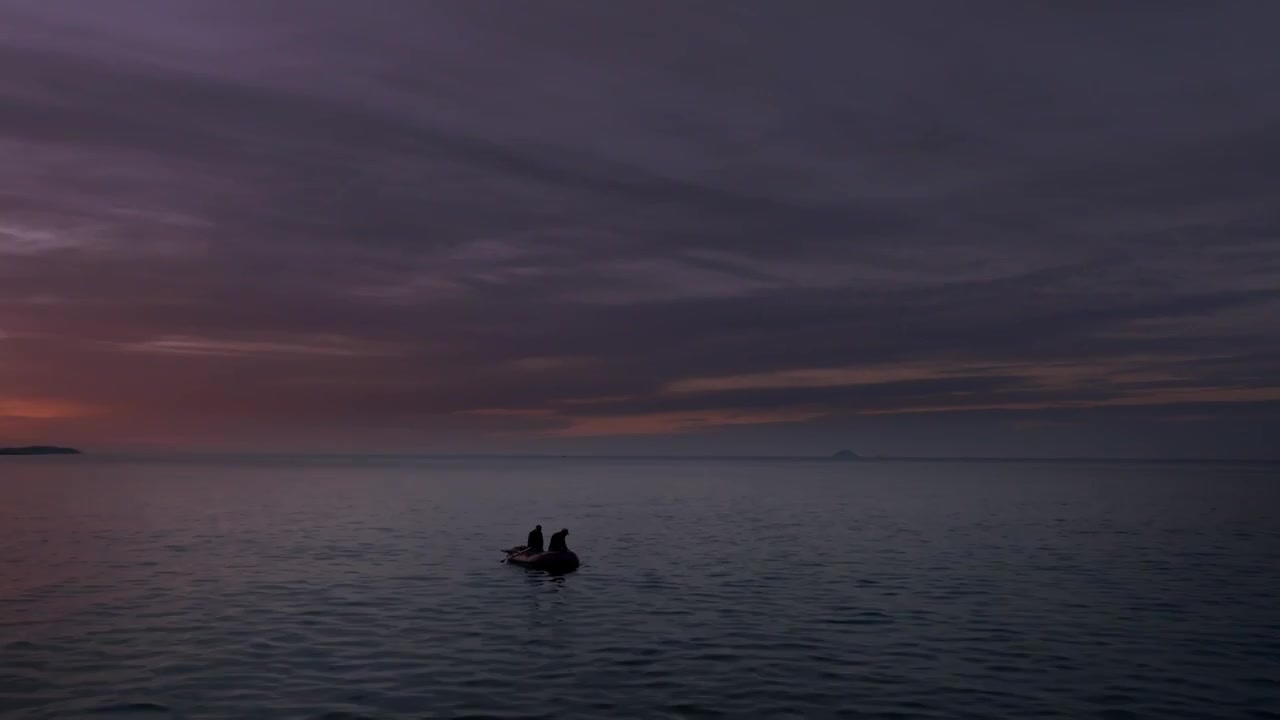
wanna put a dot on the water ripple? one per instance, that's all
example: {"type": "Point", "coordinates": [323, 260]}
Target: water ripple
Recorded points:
{"type": "Point", "coordinates": [709, 590]}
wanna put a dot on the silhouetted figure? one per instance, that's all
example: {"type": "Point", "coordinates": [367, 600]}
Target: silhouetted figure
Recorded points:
{"type": "Point", "coordinates": [557, 542]}
{"type": "Point", "coordinates": [535, 539]}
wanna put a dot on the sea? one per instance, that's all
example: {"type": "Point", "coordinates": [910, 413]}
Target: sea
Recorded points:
{"type": "Point", "coordinates": [373, 587]}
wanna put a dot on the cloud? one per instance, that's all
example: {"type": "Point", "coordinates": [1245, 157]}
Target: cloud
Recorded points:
{"type": "Point", "coordinates": [552, 362]}
{"type": "Point", "coordinates": [185, 345]}
{"type": "Point", "coordinates": [40, 409]}
{"type": "Point", "coordinates": [669, 423]}
{"type": "Point", "coordinates": [668, 219]}
{"type": "Point", "coordinates": [805, 378]}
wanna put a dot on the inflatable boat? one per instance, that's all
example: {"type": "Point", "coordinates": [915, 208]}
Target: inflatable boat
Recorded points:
{"type": "Point", "coordinates": [552, 562]}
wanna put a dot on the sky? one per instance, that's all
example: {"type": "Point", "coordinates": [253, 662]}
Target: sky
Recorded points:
{"type": "Point", "coordinates": [912, 228]}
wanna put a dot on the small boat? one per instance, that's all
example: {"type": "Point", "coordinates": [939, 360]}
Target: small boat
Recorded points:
{"type": "Point", "coordinates": [553, 562]}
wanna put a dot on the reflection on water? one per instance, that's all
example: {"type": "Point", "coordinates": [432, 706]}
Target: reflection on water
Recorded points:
{"type": "Point", "coordinates": [538, 578]}
{"type": "Point", "coordinates": [304, 588]}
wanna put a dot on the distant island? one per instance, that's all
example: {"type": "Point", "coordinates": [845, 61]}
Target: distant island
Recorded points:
{"type": "Point", "coordinates": [846, 455]}
{"type": "Point", "coordinates": [38, 450]}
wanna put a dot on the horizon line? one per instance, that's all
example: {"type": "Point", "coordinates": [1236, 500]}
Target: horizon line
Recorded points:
{"type": "Point", "coordinates": [180, 454]}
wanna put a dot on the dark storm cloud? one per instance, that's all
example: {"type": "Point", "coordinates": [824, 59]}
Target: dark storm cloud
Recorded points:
{"type": "Point", "coordinates": [533, 218]}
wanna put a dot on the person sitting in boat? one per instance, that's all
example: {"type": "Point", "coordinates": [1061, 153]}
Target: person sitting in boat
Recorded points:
{"type": "Point", "coordinates": [557, 541]}
{"type": "Point", "coordinates": [535, 539]}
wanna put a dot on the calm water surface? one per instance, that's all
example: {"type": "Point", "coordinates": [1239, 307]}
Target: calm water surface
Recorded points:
{"type": "Point", "coordinates": [327, 588]}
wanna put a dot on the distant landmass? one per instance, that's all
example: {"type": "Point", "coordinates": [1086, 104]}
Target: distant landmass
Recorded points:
{"type": "Point", "coordinates": [38, 450]}
{"type": "Point", "coordinates": [846, 455]}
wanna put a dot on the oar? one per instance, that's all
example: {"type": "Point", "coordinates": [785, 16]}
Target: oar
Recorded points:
{"type": "Point", "coordinates": [511, 554]}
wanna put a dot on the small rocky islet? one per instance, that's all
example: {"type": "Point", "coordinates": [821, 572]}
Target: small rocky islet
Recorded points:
{"type": "Point", "coordinates": [39, 450]}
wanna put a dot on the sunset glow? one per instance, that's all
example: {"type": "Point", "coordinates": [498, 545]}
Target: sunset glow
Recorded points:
{"type": "Point", "coordinates": [487, 235]}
